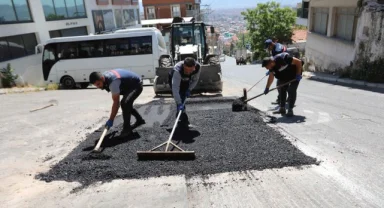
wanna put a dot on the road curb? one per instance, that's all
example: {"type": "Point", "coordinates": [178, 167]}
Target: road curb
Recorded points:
{"type": "Point", "coordinates": [313, 76]}
{"type": "Point", "coordinates": [5, 91]}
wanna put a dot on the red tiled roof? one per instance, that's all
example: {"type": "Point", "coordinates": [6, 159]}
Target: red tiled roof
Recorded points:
{"type": "Point", "coordinates": [299, 35]}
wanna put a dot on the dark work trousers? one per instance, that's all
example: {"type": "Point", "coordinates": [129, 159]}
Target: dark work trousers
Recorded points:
{"type": "Point", "coordinates": [278, 90]}
{"type": "Point", "coordinates": [127, 106]}
{"type": "Point", "coordinates": [184, 86]}
{"type": "Point", "coordinates": [292, 93]}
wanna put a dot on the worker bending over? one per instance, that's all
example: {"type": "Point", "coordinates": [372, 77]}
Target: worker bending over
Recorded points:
{"type": "Point", "coordinates": [125, 83]}
{"type": "Point", "coordinates": [182, 80]}
{"type": "Point", "coordinates": [274, 48]}
{"type": "Point", "coordinates": [285, 68]}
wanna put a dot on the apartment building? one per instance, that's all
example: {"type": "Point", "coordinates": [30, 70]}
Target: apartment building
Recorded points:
{"type": "Point", "coordinates": [163, 9]}
{"type": "Point", "coordinates": [302, 13]}
{"type": "Point", "coordinates": [26, 23]}
{"type": "Point", "coordinates": [343, 32]}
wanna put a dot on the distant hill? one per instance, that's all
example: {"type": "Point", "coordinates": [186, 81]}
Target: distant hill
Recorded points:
{"type": "Point", "coordinates": [237, 11]}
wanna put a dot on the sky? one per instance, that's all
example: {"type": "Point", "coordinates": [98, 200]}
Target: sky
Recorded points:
{"type": "Point", "coordinates": [226, 4]}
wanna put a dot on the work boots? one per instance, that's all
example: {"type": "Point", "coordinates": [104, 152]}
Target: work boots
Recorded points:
{"type": "Point", "coordinates": [127, 132]}
{"type": "Point", "coordinates": [290, 113]}
{"type": "Point", "coordinates": [138, 123]}
{"type": "Point", "coordinates": [282, 111]}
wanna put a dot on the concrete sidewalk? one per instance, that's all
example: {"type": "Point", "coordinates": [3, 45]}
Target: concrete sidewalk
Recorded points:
{"type": "Point", "coordinates": [20, 90]}
{"type": "Point", "coordinates": [333, 78]}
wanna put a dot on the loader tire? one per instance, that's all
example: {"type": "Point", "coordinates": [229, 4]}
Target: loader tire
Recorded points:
{"type": "Point", "coordinates": [213, 61]}
{"type": "Point", "coordinates": [165, 62]}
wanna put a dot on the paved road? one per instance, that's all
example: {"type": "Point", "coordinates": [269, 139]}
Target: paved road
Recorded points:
{"type": "Point", "coordinates": [339, 125]}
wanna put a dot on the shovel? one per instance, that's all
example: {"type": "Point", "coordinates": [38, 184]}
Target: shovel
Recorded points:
{"type": "Point", "coordinates": [240, 104]}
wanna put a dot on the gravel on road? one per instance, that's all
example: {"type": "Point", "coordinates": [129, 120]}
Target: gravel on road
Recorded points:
{"type": "Point", "coordinates": [223, 141]}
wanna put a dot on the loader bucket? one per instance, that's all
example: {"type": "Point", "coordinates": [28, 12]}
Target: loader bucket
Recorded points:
{"type": "Point", "coordinates": [210, 80]}
{"type": "Point", "coordinates": [161, 85]}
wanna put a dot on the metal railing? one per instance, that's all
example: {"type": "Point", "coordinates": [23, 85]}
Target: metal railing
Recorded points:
{"type": "Point", "coordinates": [176, 14]}
{"type": "Point", "coordinates": [192, 13]}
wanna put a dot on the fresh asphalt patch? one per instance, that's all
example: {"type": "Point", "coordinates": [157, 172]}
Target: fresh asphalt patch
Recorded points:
{"type": "Point", "coordinates": [223, 141]}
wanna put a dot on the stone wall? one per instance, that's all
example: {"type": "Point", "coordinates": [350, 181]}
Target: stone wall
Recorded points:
{"type": "Point", "coordinates": [370, 33]}
{"type": "Point", "coordinates": [328, 54]}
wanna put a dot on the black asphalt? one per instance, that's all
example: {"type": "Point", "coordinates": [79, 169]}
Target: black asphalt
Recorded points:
{"type": "Point", "coordinates": [223, 141]}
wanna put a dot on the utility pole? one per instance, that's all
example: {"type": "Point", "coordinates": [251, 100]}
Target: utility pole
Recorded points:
{"type": "Point", "coordinates": [207, 11]}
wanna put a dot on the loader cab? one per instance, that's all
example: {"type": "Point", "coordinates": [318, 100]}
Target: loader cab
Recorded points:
{"type": "Point", "coordinates": [188, 40]}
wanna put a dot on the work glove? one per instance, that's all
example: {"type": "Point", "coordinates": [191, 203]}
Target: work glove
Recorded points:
{"type": "Point", "coordinates": [267, 74]}
{"type": "Point", "coordinates": [298, 77]}
{"type": "Point", "coordinates": [109, 123]}
{"type": "Point", "coordinates": [188, 93]}
{"type": "Point", "coordinates": [266, 90]}
{"type": "Point", "coordinates": [180, 107]}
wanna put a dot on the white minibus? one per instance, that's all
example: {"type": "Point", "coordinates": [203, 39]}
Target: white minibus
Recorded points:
{"type": "Point", "coordinates": [70, 60]}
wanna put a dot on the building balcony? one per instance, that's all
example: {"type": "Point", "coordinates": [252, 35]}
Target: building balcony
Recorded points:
{"type": "Point", "coordinates": [192, 13]}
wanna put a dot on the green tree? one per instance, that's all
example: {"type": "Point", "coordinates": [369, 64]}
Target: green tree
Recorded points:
{"type": "Point", "coordinates": [269, 20]}
{"type": "Point", "coordinates": [239, 44]}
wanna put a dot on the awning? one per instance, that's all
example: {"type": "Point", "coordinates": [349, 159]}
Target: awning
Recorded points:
{"type": "Point", "coordinates": [162, 21]}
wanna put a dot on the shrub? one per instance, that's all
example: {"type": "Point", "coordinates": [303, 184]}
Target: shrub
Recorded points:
{"type": "Point", "coordinates": [52, 87]}
{"type": "Point", "coordinates": [8, 79]}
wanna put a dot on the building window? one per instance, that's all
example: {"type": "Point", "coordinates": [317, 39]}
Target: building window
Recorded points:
{"type": "Point", "coordinates": [138, 16]}
{"type": "Point", "coordinates": [105, 48]}
{"type": "Point", "coordinates": [151, 13]}
{"type": "Point", "coordinates": [77, 31]}
{"type": "Point", "coordinates": [305, 10]}
{"type": "Point", "coordinates": [63, 9]}
{"type": "Point", "coordinates": [14, 11]}
{"type": "Point", "coordinates": [175, 11]}
{"type": "Point", "coordinates": [320, 20]}
{"type": "Point", "coordinates": [102, 2]}
{"type": "Point", "coordinates": [17, 46]}
{"type": "Point", "coordinates": [346, 23]}
{"type": "Point", "coordinates": [121, 2]}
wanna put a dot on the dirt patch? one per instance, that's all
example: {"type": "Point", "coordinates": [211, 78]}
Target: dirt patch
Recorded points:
{"type": "Point", "coordinates": [223, 141]}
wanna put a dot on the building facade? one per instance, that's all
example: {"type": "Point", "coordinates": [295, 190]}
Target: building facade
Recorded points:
{"type": "Point", "coordinates": [343, 32]}
{"type": "Point", "coordinates": [302, 13]}
{"type": "Point", "coordinates": [163, 9]}
{"type": "Point", "coordinates": [26, 23]}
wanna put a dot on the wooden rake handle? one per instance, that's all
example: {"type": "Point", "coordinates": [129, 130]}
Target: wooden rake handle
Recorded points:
{"type": "Point", "coordinates": [101, 139]}
{"type": "Point", "coordinates": [256, 83]}
{"type": "Point", "coordinates": [174, 127]}
{"type": "Point", "coordinates": [41, 108]}
{"type": "Point", "coordinates": [278, 87]}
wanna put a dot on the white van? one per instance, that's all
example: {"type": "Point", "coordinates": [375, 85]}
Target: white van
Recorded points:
{"type": "Point", "coordinates": [70, 60]}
